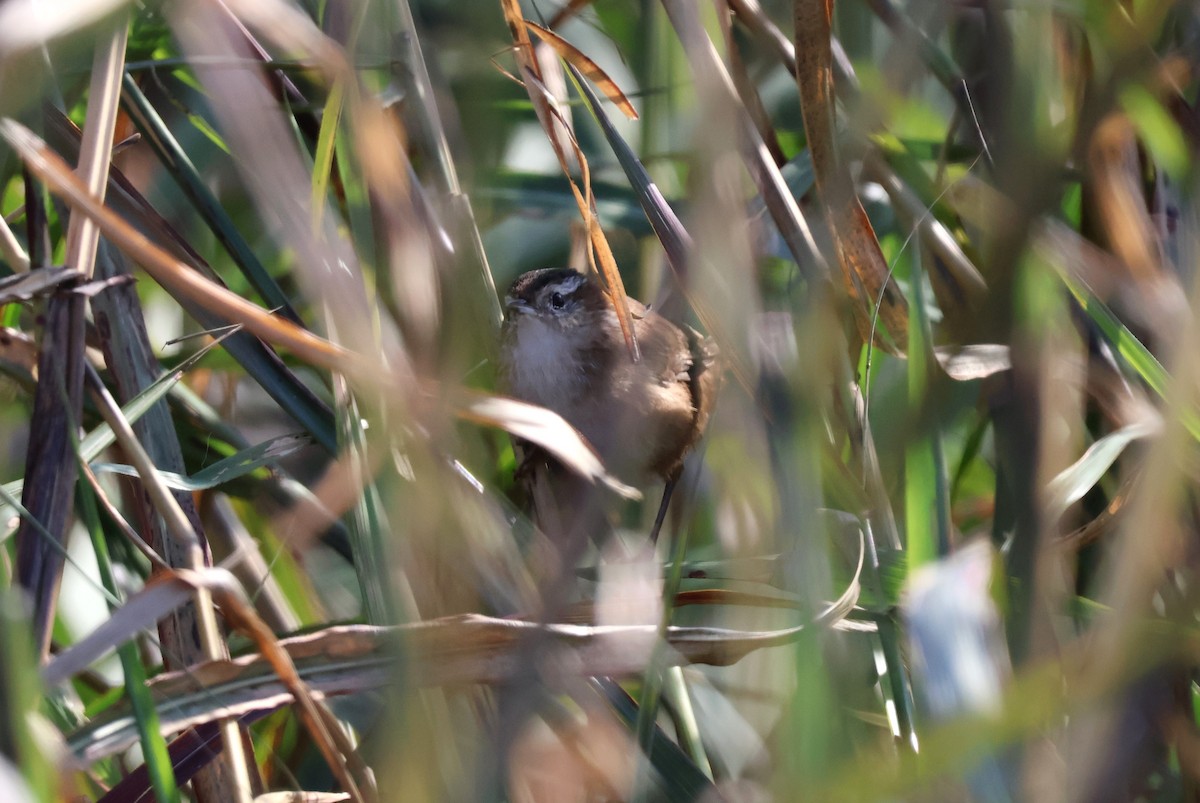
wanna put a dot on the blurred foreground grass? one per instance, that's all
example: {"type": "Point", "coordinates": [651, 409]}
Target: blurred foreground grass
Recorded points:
{"type": "Point", "coordinates": [940, 540]}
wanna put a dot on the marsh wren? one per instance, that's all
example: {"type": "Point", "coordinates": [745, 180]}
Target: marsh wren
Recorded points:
{"type": "Point", "coordinates": [562, 348]}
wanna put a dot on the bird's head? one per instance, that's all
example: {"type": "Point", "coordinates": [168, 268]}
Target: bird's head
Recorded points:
{"type": "Point", "coordinates": [557, 297]}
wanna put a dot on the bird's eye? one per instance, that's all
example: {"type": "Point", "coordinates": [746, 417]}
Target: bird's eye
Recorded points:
{"type": "Point", "coordinates": [557, 301]}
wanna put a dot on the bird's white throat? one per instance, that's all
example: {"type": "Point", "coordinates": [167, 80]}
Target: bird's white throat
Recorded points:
{"type": "Point", "coordinates": [545, 364]}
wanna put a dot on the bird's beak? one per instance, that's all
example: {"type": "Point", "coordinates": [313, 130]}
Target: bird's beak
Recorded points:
{"type": "Point", "coordinates": [518, 305]}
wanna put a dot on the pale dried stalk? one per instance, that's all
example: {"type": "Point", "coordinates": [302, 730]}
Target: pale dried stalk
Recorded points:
{"type": "Point", "coordinates": [181, 529]}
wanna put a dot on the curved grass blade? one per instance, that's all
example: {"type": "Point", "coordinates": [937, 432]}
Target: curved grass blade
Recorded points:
{"type": "Point", "coordinates": [451, 651]}
{"type": "Point", "coordinates": [222, 471]}
{"type": "Point", "coordinates": [676, 242]}
{"type": "Point", "coordinates": [1070, 485]}
{"type": "Point", "coordinates": [281, 487]}
{"type": "Point", "coordinates": [556, 129]}
{"type": "Point", "coordinates": [546, 429]}
{"type": "Point", "coordinates": [323, 155]}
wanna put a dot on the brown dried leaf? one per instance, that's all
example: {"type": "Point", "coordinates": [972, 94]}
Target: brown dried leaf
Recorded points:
{"type": "Point", "coordinates": [1116, 192]}
{"type": "Point", "coordinates": [451, 651]}
{"type": "Point", "coordinates": [546, 429]}
{"type": "Point", "coordinates": [585, 65]}
{"type": "Point", "coordinates": [865, 273]}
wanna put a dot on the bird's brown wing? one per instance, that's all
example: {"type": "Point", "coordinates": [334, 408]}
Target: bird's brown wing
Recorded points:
{"type": "Point", "coordinates": [680, 358]}
{"type": "Point", "coordinates": [664, 347]}
{"type": "Point", "coordinates": [706, 374]}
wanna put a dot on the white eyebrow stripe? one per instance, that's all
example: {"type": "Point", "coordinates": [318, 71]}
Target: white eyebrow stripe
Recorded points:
{"type": "Point", "coordinates": [572, 283]}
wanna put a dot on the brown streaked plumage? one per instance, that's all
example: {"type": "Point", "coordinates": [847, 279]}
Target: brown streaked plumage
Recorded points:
{"type": "Point", "coordinates": [563, 349]}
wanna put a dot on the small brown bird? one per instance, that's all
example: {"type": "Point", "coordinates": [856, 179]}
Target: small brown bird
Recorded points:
{"type": "Point", "coordinates": [562, 348]}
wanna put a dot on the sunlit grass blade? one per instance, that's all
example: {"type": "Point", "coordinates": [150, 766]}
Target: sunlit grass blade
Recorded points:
{"type": "Point", "coordinates": [1132, 351]}
{"type": "Point", "coordinates": [548, 430]}
{"type": "Point", "coordinates": [1081, 476]}
{"type": "Point", "coordinates": [926, 492]}
{"type": "Point", "coordinates": [323, 156]}
{"type": "Point", "coordinates": [223, 471]}
{"type": "Point", "coordinates": [569, 154]}
{"type": "Point", "coordinates": [356, 201]}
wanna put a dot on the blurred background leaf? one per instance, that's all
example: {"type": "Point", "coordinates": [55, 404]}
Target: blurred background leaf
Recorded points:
{"type": "Point", "coordinates": [939, 540]}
